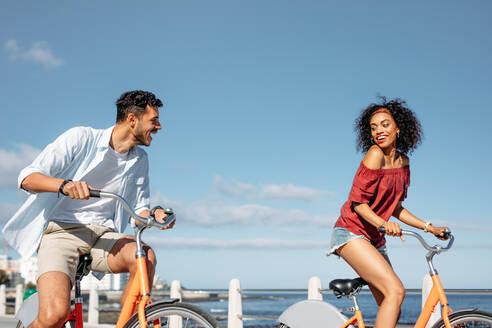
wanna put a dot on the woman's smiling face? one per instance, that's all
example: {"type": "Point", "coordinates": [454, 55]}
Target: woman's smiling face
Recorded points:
{"type": "Point", "coordinates": [383, 128]}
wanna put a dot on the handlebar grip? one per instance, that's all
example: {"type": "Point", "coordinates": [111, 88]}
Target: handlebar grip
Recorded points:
{"type": "Point", "coordinates": [446, 234]}
{"type": "Point", "coordinates": [382, 229]}
{"type": "Point", "coordinates": [95, 193]}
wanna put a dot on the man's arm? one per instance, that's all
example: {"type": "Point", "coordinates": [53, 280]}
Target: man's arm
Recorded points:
{"type": "Point", "coordinates": [38, 182]}
{"type": "Point", "coordinates": [44, 174]}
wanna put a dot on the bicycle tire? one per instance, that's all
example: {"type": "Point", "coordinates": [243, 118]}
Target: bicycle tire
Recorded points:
{"type": "Point", "coordinates": [468, 319]}
{"type": "Point", "coordinates": [192, 316]}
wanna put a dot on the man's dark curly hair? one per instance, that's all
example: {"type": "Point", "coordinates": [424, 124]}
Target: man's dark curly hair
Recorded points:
{"type": "Point", "coordinates": [135, 102]}
{"type": "Point", "coordinates": [411, 133]}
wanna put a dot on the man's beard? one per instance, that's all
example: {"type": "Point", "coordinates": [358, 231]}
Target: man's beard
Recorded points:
{"type": "Point", "coordinates": [141, 138]}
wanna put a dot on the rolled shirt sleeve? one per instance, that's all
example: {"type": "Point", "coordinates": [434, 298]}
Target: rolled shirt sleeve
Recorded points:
{"type": "Point", "coordinates": [55, 157]}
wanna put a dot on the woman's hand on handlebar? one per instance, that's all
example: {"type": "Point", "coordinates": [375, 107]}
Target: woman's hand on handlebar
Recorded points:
{"type": "Point", "coordinates": [392, 229]}
{"type": "Point", "coordinates": [439, 232]}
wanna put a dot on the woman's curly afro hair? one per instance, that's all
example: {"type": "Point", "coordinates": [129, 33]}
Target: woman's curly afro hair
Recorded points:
{"type": "Point", "coordinates": [410, 129]}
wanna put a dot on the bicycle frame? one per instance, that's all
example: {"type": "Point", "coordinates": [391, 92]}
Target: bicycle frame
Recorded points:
{"type": "Point", "coordinates": [76, 314]}
{"type": "Point", "coordinates": [357, 317]}
{"type": "Point", "coordinates": [436, 294]}
{"type": "Point", "coordinates": [139, 294]}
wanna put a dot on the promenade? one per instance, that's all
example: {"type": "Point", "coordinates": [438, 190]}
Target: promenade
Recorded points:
{"type": "Point", "coordinates": [9, 321]}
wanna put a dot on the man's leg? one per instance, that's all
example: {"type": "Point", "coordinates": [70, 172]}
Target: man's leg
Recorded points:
{"type": "Point", "coordinates": [120, 253]}
{"type": "Point", "coordinates": [122, 259]}
{"type": "Point", "coordinates": [58, 255]}
{"type": "Point", "coordinates": [54, 300]}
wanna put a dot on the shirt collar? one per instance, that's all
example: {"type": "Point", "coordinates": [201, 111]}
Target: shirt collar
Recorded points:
{"type": "Point", "coordinates": [105, 138]}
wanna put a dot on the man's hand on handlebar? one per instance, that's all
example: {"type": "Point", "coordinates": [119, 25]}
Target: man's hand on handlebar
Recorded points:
{"type": "Point", "coordinates": [76, 189]}
{"type": "Point", "coordinates": [161, 215]}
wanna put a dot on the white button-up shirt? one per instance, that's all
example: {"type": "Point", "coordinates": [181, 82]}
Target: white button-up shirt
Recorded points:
{"type": "Point", "coordinates": [71, 156]}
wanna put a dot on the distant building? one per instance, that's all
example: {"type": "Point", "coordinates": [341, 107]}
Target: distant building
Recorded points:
{"type": "Point", "coordinates": [11, 267]}
{"type": "Point", "coordinates": [159, 283]}
{"type": "Point", "coordinates": [22, 271]}
{"type": "Point", "coordinates": [108, 282]}
{"type": "Point", "coordinates": [6, 263]}
{"type": "Point", "coordinates": [28, 269]}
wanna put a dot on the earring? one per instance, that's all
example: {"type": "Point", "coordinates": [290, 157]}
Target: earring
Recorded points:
{"type": "Point", "coordinates": [397, 135]}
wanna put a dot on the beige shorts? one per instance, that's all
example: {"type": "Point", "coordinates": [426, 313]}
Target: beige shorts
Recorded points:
{"type": "Point", "coordinates": [62, 244]}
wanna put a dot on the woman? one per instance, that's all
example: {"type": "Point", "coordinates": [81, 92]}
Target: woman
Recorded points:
{"type": "Point", "coordinates": [387, 132]}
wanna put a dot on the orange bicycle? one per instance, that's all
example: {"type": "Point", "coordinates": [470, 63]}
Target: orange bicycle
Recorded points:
{"type": "Point", "coordinates": [138, 309]}
{"type": "Point", "coordinates": [312, 313]}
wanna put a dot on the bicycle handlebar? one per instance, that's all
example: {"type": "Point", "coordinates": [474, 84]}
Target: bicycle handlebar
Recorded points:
{"type": "Point", "coordinates": [147, 221]}
{"type": "Point", "coordinates": [436, 248]}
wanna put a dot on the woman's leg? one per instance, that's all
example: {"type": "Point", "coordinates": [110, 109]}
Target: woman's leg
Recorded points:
{"type": "Point", "coordinates": [377, 271]}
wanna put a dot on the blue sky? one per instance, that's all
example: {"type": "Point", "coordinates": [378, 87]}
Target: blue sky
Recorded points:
{"type": "Point", "coordinates": [257, 154]}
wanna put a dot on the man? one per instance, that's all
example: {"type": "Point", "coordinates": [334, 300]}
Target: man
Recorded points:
{"type": "Point", "coordinates": [62, 228]}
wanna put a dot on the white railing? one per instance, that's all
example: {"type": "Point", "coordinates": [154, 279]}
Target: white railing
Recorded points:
{"type": "Point", "coordinates": [235, 312]}
{"type": "Point", "coordinates": [235, 316]}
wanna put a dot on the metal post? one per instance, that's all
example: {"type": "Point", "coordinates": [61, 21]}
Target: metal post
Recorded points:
{"type": "Point", "coordinates": [314, 289]}
{"type": "Point", "coordinates": [176, 292]}
{"type": "Point", "coordinates": [3, 300]}
{"type": "Point", "coordinates": [426, 288]}
{"type": "Point", "coordinates": [234, 317]}
{"type": "Point", "coordinates": [19, 296]}
{"type": "Point", "coordinates": [93, 317]}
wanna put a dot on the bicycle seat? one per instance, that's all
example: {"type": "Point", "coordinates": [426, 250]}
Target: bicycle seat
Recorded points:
{"type": "Point", "coordinates": [83, 267]}
{"type": "Point", "coordinates": [346, 287]}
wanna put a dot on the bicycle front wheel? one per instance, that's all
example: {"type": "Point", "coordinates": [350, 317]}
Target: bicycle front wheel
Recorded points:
{"type": "Point", "coordinates": [175, 315]}
{"type": "Point", "coordinates": [468, 319]}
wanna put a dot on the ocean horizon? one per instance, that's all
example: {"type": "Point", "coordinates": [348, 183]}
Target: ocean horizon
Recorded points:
{"type": "Point", "coordinates": [271, 303]}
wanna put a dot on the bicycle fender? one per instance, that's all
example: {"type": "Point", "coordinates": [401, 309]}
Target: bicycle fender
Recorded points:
{"type": "Point", "coordinates": [455, 313]}
{"type": "Point", "coordinates": [29, 310]}
{"type": "Point", "coordinates": [165, 301]}
{"type": "Point", "coordinates": [312, 313]}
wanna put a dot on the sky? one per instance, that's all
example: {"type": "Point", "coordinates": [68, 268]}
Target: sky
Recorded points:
{"type": "Point", "coordinates": [257, 152]}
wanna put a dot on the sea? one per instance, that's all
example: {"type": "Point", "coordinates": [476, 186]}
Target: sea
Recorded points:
{"type": "Point", "coordinates": [271, 304]}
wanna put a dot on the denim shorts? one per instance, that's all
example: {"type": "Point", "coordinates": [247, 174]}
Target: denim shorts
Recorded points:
{"type": "Point", "coordinates": [341, 236]}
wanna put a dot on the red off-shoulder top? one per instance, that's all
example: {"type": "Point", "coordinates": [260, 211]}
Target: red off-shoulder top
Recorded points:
{"type": "Point", "coordinates": [382, 190]}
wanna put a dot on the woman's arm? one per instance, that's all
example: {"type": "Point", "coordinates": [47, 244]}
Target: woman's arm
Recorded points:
{"type": "Point", "coordinates": [405, 216]}
{"type": "Point", "coordinates": [374, 160]}
{"type": "Point", "coordinates": [365, 212]}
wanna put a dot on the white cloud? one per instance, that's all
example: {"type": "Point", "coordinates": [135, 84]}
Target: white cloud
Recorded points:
{"type": "Point", "coordinates": [464, 226]}
{"type": "Point", "coordinates": [290, 192]}
{"type": "Point", "coordinates": [241, 243]}
{"type": "Point", "coordinates": [247, 191]}
{"type": "Point", "coordinates": [206, 213]}
{"type": "Point", "coordinates": [13, 161]}
{"type": "Point", "coordinates": [234, 188]}
{"type": "Point", "coordinates": [39, 52]}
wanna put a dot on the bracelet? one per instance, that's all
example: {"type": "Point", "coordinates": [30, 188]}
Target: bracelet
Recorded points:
{"type": "Point", "coordinates": [60, 190]}
{"type": "Point", "coordinates": [426, 227]}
